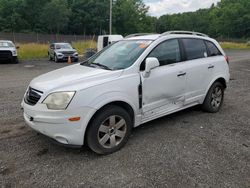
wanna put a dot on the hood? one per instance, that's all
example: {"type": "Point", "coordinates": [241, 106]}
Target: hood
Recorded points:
{"type": "Point", "coordinates": [65, 50]}
{"type": "Point", "coordinates": [74, 77]}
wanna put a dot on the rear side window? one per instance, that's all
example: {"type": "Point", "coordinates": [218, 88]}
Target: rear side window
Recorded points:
{"type": "Point", "coordinates": [195, 48]}
{"type": "Point", "coordinates": [212, 49]}
{"type": "Point", "coordinates": [167, 52]}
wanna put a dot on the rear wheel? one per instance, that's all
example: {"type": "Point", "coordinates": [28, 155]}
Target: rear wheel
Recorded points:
{"type": "Point", "coordinates": [109, 130]}
{"type": "Point", "coordinates": [214, 98]}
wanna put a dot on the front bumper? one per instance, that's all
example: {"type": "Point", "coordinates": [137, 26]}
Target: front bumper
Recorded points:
{"type": "Point", "coordinates": [56, 124]}
{"type": "Point", "coordinates": [65, 57]}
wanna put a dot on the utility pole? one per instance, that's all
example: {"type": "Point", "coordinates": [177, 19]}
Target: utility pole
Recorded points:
{"type": "Point", "coordinates": [110, 17]}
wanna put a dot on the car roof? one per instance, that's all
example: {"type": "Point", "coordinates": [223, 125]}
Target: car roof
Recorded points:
{"type": "Point", "coordinates": [169, 35]}
{"type": "Point", "coordinates": [6, 41]}
{"type": "Point", "coordinates": [61, 43]}
{"type": "Point", "coordinates": [144, 37]}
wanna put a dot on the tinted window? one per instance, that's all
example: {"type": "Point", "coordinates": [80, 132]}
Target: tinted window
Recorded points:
{"type": "Point", "coordinates": [212, 49]}
{"type": "Point", "coordinates": [167, 52]}
{"type": "Point", "coordinates": [195, 48]}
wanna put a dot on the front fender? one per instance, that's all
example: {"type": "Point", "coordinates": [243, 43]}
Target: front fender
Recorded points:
{"type": "Point", "coordinates": [114, 96]}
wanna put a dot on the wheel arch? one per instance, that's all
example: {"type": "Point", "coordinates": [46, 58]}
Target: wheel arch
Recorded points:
{"type": "Point", "coordinates": [220, 79]}
{"type": "Point", "coordinates": [121, 103]}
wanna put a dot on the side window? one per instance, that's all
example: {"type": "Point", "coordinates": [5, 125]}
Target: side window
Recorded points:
{"type": "Point", "coordinates": [212, 49]}
{"type": "Point", "coordinates": [167, 52]}
{"type": "Point", "coordinates": [195, 48]}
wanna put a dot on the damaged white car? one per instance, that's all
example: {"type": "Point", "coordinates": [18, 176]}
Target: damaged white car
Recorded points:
{"type": "Point", "coordinates": [128, 83]}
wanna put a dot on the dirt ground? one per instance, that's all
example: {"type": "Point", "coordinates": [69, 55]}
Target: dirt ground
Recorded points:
{"type": "Point", "coordinates": [187, 149]}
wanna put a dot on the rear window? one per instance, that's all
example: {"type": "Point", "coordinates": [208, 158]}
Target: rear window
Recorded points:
{"type": "Point", "coordinates": [212, 49]}
{"type": "Point", "coordinates": [195, 48]}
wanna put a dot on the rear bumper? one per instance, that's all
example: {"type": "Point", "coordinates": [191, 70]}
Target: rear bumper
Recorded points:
{"type": "Point", "coordinates": [56, 124]}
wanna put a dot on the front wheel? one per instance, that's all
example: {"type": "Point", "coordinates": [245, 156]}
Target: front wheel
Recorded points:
{"type": "Point", "coordinates": [55, 58]}
{"type": "Point", "coordinates": [50, 58]}
{"type": "Point", "coordinates": [14, 60]}
{"type": "Point", "coordinates": [109, 130]}
{"type": "Point", "coordinates": [214, 98]}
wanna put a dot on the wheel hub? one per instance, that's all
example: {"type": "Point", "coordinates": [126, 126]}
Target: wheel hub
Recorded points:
{"type": "Point", "coordinates": [112, 131]}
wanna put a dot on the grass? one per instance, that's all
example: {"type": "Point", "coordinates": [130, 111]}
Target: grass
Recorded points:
{"type": "Point", "coordinates": [29, 51]}
{"type": "Point", "coordinates": [233, 45]}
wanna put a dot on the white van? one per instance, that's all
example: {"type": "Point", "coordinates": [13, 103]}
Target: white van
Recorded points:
{"type": "Point", "coordinates": [132, 81]}
{"type": "Point", "coordinates": [105, 40]}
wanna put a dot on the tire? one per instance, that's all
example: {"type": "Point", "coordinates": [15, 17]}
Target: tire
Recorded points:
{"type": "Point", "coordinates": [14, 60]}
{"type": "Point", "coordinates": [109, 130]}
{"type": "Point", "coordinates": [214, 98]}
{"type": "Point", "coordinates": [55, 58]}
{"type": "Point", "coordinates": [50, 58]}
{"type": "Point", "coordinates": [76, 60]}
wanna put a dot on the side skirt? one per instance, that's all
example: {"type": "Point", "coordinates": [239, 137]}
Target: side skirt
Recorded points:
{"type": "Point", "coordinates": [164, 113]}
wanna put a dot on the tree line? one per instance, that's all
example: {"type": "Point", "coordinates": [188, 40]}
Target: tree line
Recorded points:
{"type": "Point", "coordinates": [228, 18]}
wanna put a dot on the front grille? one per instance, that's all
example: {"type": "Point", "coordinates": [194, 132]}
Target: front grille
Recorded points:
{"type": "Point", "coordinates": [32, 96]}
{"type": "Point", "coordinates": [5, 54]}
{"type": "Point", "coordinates": [67, 53]}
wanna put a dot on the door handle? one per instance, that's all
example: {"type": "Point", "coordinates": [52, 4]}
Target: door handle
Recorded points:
{"type": "Point", "coordinates": [181, 74]}
{"type": "Point", "coordinates": [210, 66]}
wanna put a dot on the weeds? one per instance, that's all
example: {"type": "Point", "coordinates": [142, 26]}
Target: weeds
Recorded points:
{"type": "Point", "coordinates": [30, 51]}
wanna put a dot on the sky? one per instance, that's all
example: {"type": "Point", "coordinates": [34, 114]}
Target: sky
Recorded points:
{"type": "Point", "coordinates": [161, 7]}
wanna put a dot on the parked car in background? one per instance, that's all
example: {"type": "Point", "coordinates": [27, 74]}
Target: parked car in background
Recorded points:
{"type": "Point", "coordinates": [131, 82]}
{"type": "Point", "coordinates": [61, 52]}
{"type": "Point", "coordinates": [8, 51]}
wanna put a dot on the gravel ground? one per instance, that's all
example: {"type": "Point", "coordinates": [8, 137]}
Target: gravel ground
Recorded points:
{"type": "Point", "coordinates": [187, 149]}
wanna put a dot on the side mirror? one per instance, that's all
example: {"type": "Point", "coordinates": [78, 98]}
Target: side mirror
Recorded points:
{"type": "Point", "coordinates": [151, 63]}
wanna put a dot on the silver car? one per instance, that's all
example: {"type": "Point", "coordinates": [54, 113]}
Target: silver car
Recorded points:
{"type": "Point", "coordinates": [61, 52]}
{"type": "Point", "coordinates": [8, 51]}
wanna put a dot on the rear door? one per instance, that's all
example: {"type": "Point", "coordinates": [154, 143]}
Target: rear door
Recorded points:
{"type": "Point", "coordinates": [197, 68]}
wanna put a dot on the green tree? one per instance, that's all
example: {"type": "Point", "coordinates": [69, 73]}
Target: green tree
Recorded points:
{"type": "Point", "coordinates": [89, 16]}
{"type": "Point", "coordinates": [130, 16]}
{"type": "Point", "coordinates": [55, 16]}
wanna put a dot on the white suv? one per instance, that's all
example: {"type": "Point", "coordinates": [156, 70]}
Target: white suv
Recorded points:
{"type": "Point", "coordinates": [130, 82]}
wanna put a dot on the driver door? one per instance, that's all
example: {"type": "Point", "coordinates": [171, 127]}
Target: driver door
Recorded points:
{"type": "Point", "coordinates": [164, 89]}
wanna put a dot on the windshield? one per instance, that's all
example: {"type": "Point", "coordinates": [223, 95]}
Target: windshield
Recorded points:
{"type": "Point", "coordinates": [63, 46]}
{"type": "Point", "coordinates": [6, 45]}
{"type": "Point", "coordinates": [119, 55]}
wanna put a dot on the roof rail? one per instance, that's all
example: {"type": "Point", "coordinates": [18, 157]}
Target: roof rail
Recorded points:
{"type": "Point", "coordinates": [184, 32]}
{"type": "Point", "coordinates": [138, 34]}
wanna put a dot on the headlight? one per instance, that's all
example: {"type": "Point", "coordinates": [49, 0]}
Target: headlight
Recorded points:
{"type": "Point", "coordinates": [14, 52]}
{"type": "Point", "coordinates": [75, 54]}
{"type": "Point", "coordinates": [59, 100]}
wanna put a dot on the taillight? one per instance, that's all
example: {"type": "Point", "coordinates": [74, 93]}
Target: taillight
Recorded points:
{"type": "Point", "coordinates": [227, 59]}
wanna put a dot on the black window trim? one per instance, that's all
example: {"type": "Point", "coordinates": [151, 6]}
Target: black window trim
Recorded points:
{"type": "Point", "coordinates": [185, 52]}
{"type": "Point", "coordinates": [182, 53]}
{"type": "Point", "coordinates": [208, 51]}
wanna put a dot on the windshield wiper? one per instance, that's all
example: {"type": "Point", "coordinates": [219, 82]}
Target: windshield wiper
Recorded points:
{"type": "Point", "coordinates": [101, 65]}
{"type": "Point", "coordinates": [87, 63]}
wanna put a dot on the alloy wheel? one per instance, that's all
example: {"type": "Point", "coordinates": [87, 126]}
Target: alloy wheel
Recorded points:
{"type": "Point", "coordinates": [112, 131]}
